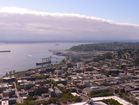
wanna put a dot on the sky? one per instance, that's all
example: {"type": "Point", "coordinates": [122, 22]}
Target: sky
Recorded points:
{"type": "Point", "coordinates": [69, 19]}
{"type": "Point", "coordinates": [116, 10]}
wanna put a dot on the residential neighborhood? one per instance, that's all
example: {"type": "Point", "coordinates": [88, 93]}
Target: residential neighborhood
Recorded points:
{"type": "Point", "coordinates": [79, 78]}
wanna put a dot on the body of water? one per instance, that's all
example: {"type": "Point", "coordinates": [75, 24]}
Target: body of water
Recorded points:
{"type": "Point", "coordinates": [24, 56]}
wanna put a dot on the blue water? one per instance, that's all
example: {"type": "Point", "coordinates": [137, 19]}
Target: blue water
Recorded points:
{"type": "Point", "coordinates": [24, 56]}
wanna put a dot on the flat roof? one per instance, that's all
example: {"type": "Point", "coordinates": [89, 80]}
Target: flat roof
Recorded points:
{"type": "Point", "coordinates": [5, 102]}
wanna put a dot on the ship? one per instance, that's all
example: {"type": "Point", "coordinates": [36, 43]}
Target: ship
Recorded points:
{"type": "Point", "coordinates": [2, 51]}
{"type": "Point", "coordinates": [42, 63]}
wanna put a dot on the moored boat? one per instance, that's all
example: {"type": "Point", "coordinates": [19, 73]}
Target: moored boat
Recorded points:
{"type": "Point", "coordinates": [43, 63]}
{"type": "Point", "coordinates": [5, 51]}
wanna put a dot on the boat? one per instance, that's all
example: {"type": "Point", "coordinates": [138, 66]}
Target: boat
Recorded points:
{"type": "Point", "coordinates": [42, 63]}
{"type": "Point", "coordinates": [5, 51]}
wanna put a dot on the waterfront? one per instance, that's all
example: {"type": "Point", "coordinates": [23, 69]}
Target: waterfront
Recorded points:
{"type": "Point", "coordinates": [25, 55]}
{"type": "Point", "coordinates": [97, 77]}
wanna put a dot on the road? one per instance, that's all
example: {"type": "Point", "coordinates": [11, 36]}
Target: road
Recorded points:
{"type": "Point", "coordinates": [19, 98]}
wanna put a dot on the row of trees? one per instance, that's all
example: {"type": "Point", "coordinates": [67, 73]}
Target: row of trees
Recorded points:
{"type": "Point", "coordinates": [10, 73]}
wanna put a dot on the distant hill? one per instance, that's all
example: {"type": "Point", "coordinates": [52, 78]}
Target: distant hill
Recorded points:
{"type": "Point", "coordinates": [113, 46]}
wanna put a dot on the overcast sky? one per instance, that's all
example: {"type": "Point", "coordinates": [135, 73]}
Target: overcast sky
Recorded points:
{"type": "Point", "coordinates": [64, 20]}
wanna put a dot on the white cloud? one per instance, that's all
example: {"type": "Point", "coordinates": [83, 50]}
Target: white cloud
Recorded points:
{"type": "Point", "coordinates": [24, 24]}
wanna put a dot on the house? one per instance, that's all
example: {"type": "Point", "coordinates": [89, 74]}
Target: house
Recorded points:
{"type": "Point", "coordinates": [9, 79]}
{"type": "Point", "coordinates": [55, 92]}
{"type": "Point", "coordinates": [5, 102]}
{"type": "Point", "coordinates": [12, 101]}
